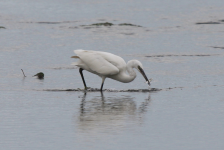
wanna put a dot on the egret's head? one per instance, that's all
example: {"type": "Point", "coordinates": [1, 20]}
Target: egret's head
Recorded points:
{"type": "Point", "coordinates": [139, 67]}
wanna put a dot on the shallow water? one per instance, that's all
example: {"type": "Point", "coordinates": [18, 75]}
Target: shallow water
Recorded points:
{"type": "Point", "coordinates": [179, 44]}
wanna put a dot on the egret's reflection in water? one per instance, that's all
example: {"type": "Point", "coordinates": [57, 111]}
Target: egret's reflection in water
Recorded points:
{"type": "Point", "coordinates": [102, 112]}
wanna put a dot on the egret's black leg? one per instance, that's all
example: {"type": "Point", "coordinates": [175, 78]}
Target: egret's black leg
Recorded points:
{"type": "Point", "coordinates": [101, 89]}
{"type": "Point", "coordinates": [80, 71]}
{"type": "Point", "coordinates": [103, 79]}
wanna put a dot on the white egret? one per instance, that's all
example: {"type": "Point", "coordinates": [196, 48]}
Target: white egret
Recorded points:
{"type": "Point", "coordinates": [107, 65]}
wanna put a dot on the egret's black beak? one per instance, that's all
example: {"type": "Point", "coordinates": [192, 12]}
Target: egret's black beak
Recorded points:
{"type": "Point", "coordinates": [143, 74]}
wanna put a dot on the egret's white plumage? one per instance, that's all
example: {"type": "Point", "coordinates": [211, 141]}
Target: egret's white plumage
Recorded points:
{"type": "Point", "coordinates": [107, 65]}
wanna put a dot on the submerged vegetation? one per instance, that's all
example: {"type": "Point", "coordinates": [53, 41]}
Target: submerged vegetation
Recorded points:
{"type": "Point", "coordinates": [108, 24]}
{"type": "Point", "coordinates": [217, 47]}
{"type": "Point", "coordinates": [111, 24]}
{"type": "Point", "coordinates": [102, 24]}
{"type": "Point", "coordinates": [107, 90]}
{"type": "Point", "coordinates": [211, 22]}
{"type": "Point", "coordinates": [128, 24]}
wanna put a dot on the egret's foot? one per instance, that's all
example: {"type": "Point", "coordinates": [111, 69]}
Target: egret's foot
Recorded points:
{"type": "Point", "coordinates": [86, 88]}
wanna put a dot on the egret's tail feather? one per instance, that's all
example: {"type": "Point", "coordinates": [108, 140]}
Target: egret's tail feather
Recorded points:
{"type": "Point", "coordinates": [75, 63]}
{"type": "Point", "coordinates": [75, 57]}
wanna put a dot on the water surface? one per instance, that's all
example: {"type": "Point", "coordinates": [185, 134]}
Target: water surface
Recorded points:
{"type": "Point", "coordinates": [180, 45]}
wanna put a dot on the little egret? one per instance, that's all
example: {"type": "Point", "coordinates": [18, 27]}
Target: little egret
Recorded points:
{"type": "Point", "coordinates": [107, 65]}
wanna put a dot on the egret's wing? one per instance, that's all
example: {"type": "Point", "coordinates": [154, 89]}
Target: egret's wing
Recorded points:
{"type": "Point", "coordinates": [96, 63]}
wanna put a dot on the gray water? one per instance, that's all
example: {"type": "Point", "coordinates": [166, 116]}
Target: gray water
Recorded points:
{"type": "Point", "coordinates": [180, 44]}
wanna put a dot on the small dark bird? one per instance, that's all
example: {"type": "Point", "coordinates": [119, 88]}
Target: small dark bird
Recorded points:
{"type": "Point", "coordinates": [39, 75]}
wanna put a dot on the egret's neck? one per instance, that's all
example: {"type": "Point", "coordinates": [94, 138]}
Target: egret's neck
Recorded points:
{"type": "Point", "coordinates": [130, 75]}
{"type": "Point", "coordinates": [130, 70]}
{"type": "Point", "coordinates": [126, 75]}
